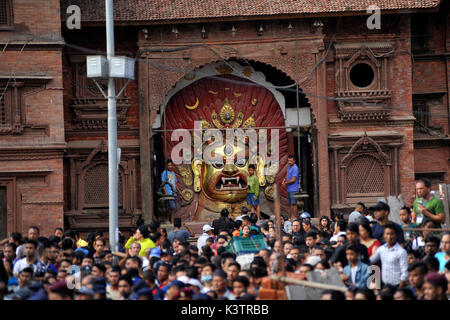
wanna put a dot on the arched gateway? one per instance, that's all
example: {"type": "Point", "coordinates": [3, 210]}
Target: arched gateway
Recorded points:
{"type": "Point", "coordinates": [225, 96]}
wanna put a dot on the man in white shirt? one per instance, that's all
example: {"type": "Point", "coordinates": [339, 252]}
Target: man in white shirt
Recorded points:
{"type": "Point", "coordinates": [207, 233]}
{"type": "Point", "coordinates": [30, 260]}
{"type": "Point", "coordinates": [394, 259]}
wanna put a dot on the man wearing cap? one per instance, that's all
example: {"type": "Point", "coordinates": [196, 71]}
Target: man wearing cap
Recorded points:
{"type": "Point", "coordinates": [207, 233]}
{"type": "Point", "coordinates": [292, 183]}
{"type": "Point", "coordinates": [306, 223]}
{"type": "Point", "coordinates": [381, 212]}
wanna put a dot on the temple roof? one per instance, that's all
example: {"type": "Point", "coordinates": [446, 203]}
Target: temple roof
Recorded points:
{"type": "Point", "coordinates": [159, 11]}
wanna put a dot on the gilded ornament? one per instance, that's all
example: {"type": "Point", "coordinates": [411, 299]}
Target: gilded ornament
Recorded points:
{"type": "Point", "coordinates": [194, 106]}
{"type": "Point", "coordinates": [186, 174]}
{"type": "Point", "coordinates": [227, 112]}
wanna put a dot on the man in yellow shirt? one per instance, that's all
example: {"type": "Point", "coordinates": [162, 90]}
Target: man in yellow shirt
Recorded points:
{"type": "Point", "coordinates": [141, 236]}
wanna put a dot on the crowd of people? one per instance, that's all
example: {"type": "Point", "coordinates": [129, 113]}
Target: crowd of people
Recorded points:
{"type": "Point", "coordinates": [153, 264]}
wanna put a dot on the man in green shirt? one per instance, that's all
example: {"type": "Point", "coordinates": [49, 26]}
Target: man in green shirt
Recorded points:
{"type": "Point", "coordinates": [427, 206]}
{"type": "Point", "coordinates": [253, 191]}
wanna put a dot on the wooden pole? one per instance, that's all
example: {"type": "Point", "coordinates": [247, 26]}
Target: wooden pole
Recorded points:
{"type": "Point", "coordinates": [276, 198]}
{"type": "Point", "coordinates": [308, 283]}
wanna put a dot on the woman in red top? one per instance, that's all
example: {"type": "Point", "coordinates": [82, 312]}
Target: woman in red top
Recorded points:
{"type": "Point", "coordinates": [365, 236]}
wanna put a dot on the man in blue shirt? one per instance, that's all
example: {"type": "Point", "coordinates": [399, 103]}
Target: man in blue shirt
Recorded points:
{"type": "Point", "coordinates": [292, 183]}
{"type": "Point", "coordinates": [170, 188]}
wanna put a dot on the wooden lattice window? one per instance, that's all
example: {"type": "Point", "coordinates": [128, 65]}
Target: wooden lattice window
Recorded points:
{"type": "Point", "coordinates": [96, 191]}
{"type": "Point", "coordinates": [6, 13]}
{"type": "Point", "coordinates": [365, 177]}
{"type": "Point", "coordinates": [11, 120]}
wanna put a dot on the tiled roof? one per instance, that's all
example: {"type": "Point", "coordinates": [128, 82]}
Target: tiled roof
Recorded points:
{"type": "Point", "coordinates": [167, 10]}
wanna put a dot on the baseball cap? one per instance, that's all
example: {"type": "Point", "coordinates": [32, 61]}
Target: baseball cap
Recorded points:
{"type": "Point", "coordinates": [313, 260]}
{"type": "Point", "coordinates": [207, 228]}
{"type": "Point", "coordinates": [380, 205]}
{"type": "Point", "coordinates": [155, 252]}
{"type": "Point", "coordinates": [305, 215]}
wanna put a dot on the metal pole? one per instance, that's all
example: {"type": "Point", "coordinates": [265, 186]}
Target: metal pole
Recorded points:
{"type": "Point", "coordinates": [112, 132]}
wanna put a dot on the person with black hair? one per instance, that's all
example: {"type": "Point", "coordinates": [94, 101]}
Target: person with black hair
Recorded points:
{"type": "Point", "coordinates": [405, 217]}
{"type": "Point", "coordinates": [240, 285]}
{"type": "Point", "coordinates": [170, 188]}
{"type": "Point", "coordinates": [404, 294]}
{"type": "Point", "coordinates": [339, 229]}
{"type": "Point", "coordinates": [98, 270]}
{"type": "Point", "coordinates": [253, 191]}
{"type": "Point", "coordinates": [246, 221]}
{"type": "Point", "coordinates": [416, 278]}
{"type": "Point", "coordinates": [325, 227]}
{"type": "Point", "coordinates": [9, 258]}
{"type": "Point", "coordinates": [224, 222]}
{"type": "Point", "coordinates": [365, 294]}
{"type": "Point", "coordinates": [30, 259]}
{"type": "Point", "coordinates": [432, 244]}
{"type": "Point", "coordinates": [125, 287]}
{"type": "Point", "coordinates": [365, 236]}
{"type": "Point", "coordinates": [381, 211]}
{"type": "Point", "coordinates": [333, 295]}
{"type": "Point", "coordinates": [355, 273]}
{"type": "Point", "coordinates": [292, 185]}
{"type": "Point", "coordinates": [112, 285]}
{"type": "Point", "coordinates": [219, 285]}
{"type": "Point", "coordinates": [232, 272]}
{"type": "Point", "coordinates": [352, 235]}
{"type": "Point", "coordinates": [394, 259]}
{"type": "Point", "coordinates": [432, 263]}
{"type": "Point", "coordinates": [178, 233]}
{"type": "Point", "coordinates": [162, 275]}
{"type": "Point", "coordinates": [32, 234]}
{"type": "Point", "coordinates": [142, 236]}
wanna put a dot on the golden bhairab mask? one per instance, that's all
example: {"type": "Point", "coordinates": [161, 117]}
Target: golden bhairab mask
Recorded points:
{"type": "Point", "coordinates": [225, 180]}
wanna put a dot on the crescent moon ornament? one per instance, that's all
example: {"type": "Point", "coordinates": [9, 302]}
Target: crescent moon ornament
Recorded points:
{"type": "Point", "coordinates": [194, 106]}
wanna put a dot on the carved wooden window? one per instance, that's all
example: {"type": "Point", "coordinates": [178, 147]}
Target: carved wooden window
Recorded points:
{"type": "Point", "coordinates": [362, 81]}
{"type": "Point", "coordinates": [96, 191]}
{"type": "Point", "coordinates": [10, 110]}
{"type": "Point", "coordinates": [365, 177]}
{"type": "Point", "coordinates": [6, 13]}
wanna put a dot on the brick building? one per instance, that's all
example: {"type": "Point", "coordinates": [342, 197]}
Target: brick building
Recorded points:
{"type": "Point", "coordinates": [32, 139]}
{"type": "Point", "coordinates": [378, 99]}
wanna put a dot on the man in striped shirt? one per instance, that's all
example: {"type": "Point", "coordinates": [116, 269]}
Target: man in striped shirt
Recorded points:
{"type": "Point", "coordinates": [394, 259]}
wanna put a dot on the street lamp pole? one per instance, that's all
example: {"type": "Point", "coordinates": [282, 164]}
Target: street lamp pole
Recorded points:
{"type": "Point", "coordinates": [112, 133]}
